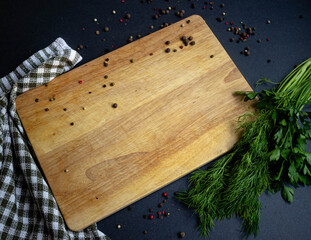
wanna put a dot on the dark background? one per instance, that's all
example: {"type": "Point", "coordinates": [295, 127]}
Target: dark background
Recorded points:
{"type": "Point", "coordinates": [27, 26]}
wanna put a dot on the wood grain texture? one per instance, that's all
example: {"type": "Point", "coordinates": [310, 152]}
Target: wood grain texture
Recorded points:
{"type": "Point", "coordinates": [176, 112]}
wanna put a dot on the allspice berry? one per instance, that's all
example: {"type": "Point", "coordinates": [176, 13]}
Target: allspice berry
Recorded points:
{"type": "Point", "coordinates": [127, 16]}
{"type": "Point", "coordinates": [181, 234]}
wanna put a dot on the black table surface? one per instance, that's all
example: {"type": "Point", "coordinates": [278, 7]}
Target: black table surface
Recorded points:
{"type": "Point", "coordinates": [27, 26]}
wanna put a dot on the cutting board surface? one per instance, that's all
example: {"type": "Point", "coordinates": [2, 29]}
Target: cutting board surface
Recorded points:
{"type": "Point", "coordinates": [175, 112]}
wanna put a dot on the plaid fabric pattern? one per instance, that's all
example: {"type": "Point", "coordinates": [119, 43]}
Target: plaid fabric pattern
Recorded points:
{"type": "Point", "coordinates": [28, 209]}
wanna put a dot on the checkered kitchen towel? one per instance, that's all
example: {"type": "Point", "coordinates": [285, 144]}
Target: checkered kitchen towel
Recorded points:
{"type": "Point", "coordinates": [28, 209]}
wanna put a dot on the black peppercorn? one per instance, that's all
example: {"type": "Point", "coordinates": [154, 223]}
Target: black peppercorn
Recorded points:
{"type": "Point", "coordinates": [190, 38]}
{"type": "Point", "coordinates": [114, 105]}
{"type": "Point", "coordinates": [167, 42]}
{"type": "Point", "coordinates": [112, 84]}
{"type": "Point", "coordinates": [71, 123]}
{"type": "Point", "coordinates": [46, 109]}
{"type": "Point", "coordinates": [167, 50]}
{"type": "Point", "coordinates": [127, 16]}
{"type": "Point", "coordinates": [192, 43]}
{"type": "Point", "coordinates": [36, 100]}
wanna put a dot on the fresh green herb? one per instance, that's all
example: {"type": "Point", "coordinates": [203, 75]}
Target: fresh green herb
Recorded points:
{"type": "Point", "coordinates": [271, 155]}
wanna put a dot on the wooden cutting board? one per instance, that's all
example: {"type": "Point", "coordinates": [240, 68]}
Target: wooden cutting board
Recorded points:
{"type": "Point", "coordinates": [176, 112]}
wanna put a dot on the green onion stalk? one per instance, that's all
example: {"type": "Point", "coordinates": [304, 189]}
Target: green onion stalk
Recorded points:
{"type": "Point", "coordinates": [270, 156]}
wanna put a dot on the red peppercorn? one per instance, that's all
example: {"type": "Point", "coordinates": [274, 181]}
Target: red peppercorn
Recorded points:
{"type": "Point", "coordinates": [164, 194]}
{"type": "Point", "coordinates": [83, 29]}
{"type": "Point", "coordinates": [80, 82]}
{"type": "Point", "coordinates": [181, 47]}
{"type": "Point", "coordinates": [164, 201]}
{"type": "Point", "coordinates": [226, 23]}
{"type": "Point", "coordinates": [159, 213]}
{"type": "Point", "coordinates": [232, 23]}
{"type": "Point", "coordinates": [151, 216]}
{"type": "Point", "coordinates": [268, 39]}
{"type": "Point", "coordinates": [151, 54]}
{"type": "Point", "coordinates": [163, 212]}
{"type": "Point", "coordinates": [121, 20]}
{"type": "Point", "coordinates": [160, 205]}
{"type": "Point", "coordinates": [247, 35]}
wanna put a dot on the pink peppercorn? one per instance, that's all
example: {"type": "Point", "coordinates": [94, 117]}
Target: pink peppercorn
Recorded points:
{"type": "Point", "coordinates": [268, 39]}
{"type": "Point", "coordinates": [232, 23]}
{"type": "Point", "coordinates": [151, 216]}
{"type": "Point", "coordinates": [80, 82]}
{"type": "Point", "coordinates": [164, 194]}
{"type": "Point", "coordinates": [160, 205]}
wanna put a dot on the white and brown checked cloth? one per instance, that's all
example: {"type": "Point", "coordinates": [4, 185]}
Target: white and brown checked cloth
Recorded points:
{"type": "Point", "coordinates": [28, 209]}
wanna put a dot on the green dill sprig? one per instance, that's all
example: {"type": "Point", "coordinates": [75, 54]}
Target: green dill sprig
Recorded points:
{"type": "Point", "coordinates": [271, 155]}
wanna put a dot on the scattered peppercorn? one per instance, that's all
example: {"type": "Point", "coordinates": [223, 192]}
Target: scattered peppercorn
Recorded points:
{"type": "Point", "coordinates": [46, 109]}
{"type": "Point", "coordinates": [150, 210]}
{"type": "Point", "coordinates": [231, 39]}
{"type": "Point", "coordinates": [46, 84]}
{"type": "Point", "coordinates": [127, 16]}
{"type": "Point", "coordinates": [90, 92]}
{"type": "Point", "coordinates": [181, 234]}
{"type": "Point", "coordinates": [222, 5]}
{"type": "Point", "coordinates": [247, 53]}
{"type": "Point", "coordinates": [97, 32]}
{"type": "Point", "coordinates": [129, 208]}
{"type": "Point", "coordinates": [66, 170]}
{"type": "Point", "coordinates": [151, 216]}
{"type": "Point", "coordinates": [114, 12]}
{"type": "Point", "coordinates": [259, 41]}
{"type": "Point", "coordinates": [112, 84]}
{"type": "Point", "coordinates": [65, 109]}
{"type": "Point", "coordinates": [114, 105]}
{"type": "Point", "coordinates": [144, 216]}
{"type": "Point", "coordinates": [219, 19]}
{"type": "Point", "coordinates": [167, 42]}
{"type": "Point", "coordinates": [188, 21]}
{"type": "Point", "coordinates": [174, 50]}
{"type": "Point", "coordinates": [211, 56]}
{"type": "Point", "coordinates": [132, 60]}
{"type": "Point", "coordinates": [145, 232]}
{"type": "Point", "coordinates": [106, 29]}
{"type": "Point", "coordinates": [190, 38]}
{"type": "Point", "coordinates": [118, 226]}
{"type": "Point", "coordinates": [106, 76]}
{"type": "Point", "coordinates": [268, 21]}
{"type": "Point", "coordinates": [72, 123]}
{"type": "Point", "coordinates": [83, 108]}
{"type": "Point", "coordinates": [268, 61]}
{"type": "Point", "coordinates": [167, 50]}
{"type": "Point", "coordinates": [151, 27]}
{"type": "Point", "coordinates": [106, 64]}
{"type": "Point", "coordinates": [192, 43]}
{"type": "Point", "coordinates": [36, 100]}
{"type": "Point", "coordinates": [160, 205]}
{"type": "Point", "coordinates": [104, 86]}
